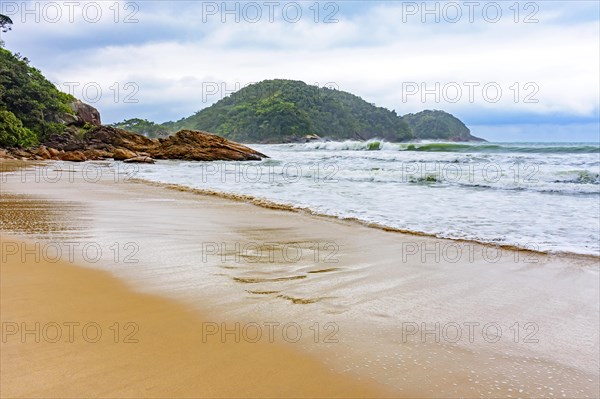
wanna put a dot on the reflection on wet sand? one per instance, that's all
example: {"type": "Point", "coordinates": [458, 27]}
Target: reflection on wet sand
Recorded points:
{"type": "Point", "coordinates": [266, 280]}
{"type": "Point", "coordinates": [33, 215]}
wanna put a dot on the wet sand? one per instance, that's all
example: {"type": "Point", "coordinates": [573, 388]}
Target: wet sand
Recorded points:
{"type": "Point", "coordinates": [155, 350]}
{"type": "Point", "coordinates": [376, 293]}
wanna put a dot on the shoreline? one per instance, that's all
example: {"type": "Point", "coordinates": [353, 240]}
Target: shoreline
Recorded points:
{"type": "Point", "coordinates": [273, 205]}
{"type": "Point", "coordinates": [269, 204]}
{"type": "Point", "coordinates": [370, 291]}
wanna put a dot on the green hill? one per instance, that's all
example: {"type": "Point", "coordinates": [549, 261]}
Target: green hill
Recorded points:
{"type": "Point", "coordinates": [438, 125]}
{"type": "Point", "coordinates": [280, 111]}
{"type": "Point", "coordinates": [31, 107]}
{"type": "Point", "coordinates": [276, 111]}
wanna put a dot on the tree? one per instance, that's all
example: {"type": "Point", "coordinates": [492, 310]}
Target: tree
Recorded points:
{"type": "Point", "coordinates": [13, 133]}
{"type": "Point", "coordinates": [5, 23]}
{"type": "Point", "coordinates": [143, 127]}
{"type": "Point", "coordinates": [27, 94]}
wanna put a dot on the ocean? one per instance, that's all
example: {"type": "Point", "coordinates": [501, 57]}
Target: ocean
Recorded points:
{"type": "Point", "coordinates": [538, 196]}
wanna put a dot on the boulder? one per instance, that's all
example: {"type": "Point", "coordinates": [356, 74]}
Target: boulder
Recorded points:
{"type": "Point", "coordinates": [85, 113]}
{"type": "Point", "coordinates": [97, 154]}
{"type": "Point", "coordinates": [53, 152]}
{"type": "Point", "coordinates": [73, 156]}
{"type": "Point", "coordinates": [5, 154]}
{"type": "Point", "coordinates": [66, 119]}
{"type": "Point", "coordinates": [104, 136]}
{"type": "Point", "coordinates": [20, 153]}
{"type": "Point", "coordinates": [120, 154]}
{"type": "Point", "coordinates": [43, 153]}
{"type": "Point", "coordinates": [140, 160]}
{"type": "Point", "coordinates": [311, 137]}
{"type": "Point", "coordinates": [81, 114]}
{"type": "Point", "coordinates": [201, 146]}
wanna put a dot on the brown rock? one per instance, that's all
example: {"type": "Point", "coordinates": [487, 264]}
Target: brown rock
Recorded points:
{"type": "Point", "coordinates": [120, 154]}
{"type": "Point", "coordinates": [5, 154]}
{"type": "Point", "coordinates": [105, 136]}
{"type": "Point", "coordinates": [140, 160]}
{"type": "Point", "coordinates": [53, 152]}
{"type": "Point", "coordinates": [97, 154]}
{"type": "Point", "coordinates": [21, 153]}
{"type": "Point", "coordinates": [86, 113]}
{"type": "Point", "coordinates": [201, 146]}
{"type": "Point", "coordinates": [68, 119]}
{"type": "Point", "coordinates": [43, 153]}
{"type": "Point", "coordinates": [73, 156]}
{"type": "Point", "coordinates": [122, 145]}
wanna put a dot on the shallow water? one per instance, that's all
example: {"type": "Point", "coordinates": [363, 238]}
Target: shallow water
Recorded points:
{"type": "Point", "coordinates": [543, 197]}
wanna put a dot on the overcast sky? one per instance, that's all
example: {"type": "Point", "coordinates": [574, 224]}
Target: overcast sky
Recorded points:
{"type": "Point", "coordinates": [512, 71]}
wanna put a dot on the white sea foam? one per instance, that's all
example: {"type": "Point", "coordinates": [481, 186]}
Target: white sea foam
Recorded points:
{"type": "Point", "coordinates": [544, 196]}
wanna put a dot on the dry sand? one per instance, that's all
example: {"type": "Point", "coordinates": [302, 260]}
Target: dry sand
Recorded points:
{"type": "Point", "coordinates": [370, 285]}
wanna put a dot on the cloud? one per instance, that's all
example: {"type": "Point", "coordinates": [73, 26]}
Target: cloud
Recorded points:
{"type": "Point", "coordinates": [571, 132]}
{"type": "Point", "coordinates": [376, 50]}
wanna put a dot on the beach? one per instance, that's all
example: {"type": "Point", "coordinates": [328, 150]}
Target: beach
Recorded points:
{"type": "Point", "coordinates": [155, 350]}
{"type": "Point", "coordinates": [227, 298]}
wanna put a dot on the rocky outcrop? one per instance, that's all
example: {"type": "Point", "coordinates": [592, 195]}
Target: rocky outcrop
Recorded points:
{"type": "Point", "coordinates": [43, 152]}
{"type": "Point", "coordinates": [97, 154]}
{"type": "Point", "coordinates": [105, 142]}
{"type": "Point", "coordinates": [107, 137]}
{"type": "Point", "coordinates": [121, 154]}
{"type": "Point", "coordinates": [201, 146]}
{"type": "Point", "coordinates": [81, 115]}
{"type": "Point", "coordinates": [85, 113]}
{"type": "Point", "coordinates": [73, 156]}
{"type": "Point", "coordinates": [53, 152]}
{"type": "Point", "coordinates": [4, 154]}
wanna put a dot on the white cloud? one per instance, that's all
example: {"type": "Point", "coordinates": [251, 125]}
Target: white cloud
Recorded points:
{"type": "Point", "coordinates": [372, 54]}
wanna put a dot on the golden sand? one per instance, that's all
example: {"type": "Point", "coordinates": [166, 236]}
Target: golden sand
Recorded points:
{"type": "Point", "coordinates": [155, 350]}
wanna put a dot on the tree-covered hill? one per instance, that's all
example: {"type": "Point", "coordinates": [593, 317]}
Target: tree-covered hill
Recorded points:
{"type": "Point", "coordinates": [438, 125]}
{"type": "Point", "coordinates": [275, 111]}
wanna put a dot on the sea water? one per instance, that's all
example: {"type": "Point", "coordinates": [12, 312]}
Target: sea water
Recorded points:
{"type": "Point", "coordinates": [540, 196]}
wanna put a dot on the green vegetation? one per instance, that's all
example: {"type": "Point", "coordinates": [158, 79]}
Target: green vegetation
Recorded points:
{"type": "Point", "coordinates": [12, 132]}
{"type": "Point", "coordinates": [275, 111]}
{"type": "Point", "coordinates": [143, 127]}
{"type": "Point", "coordinates": [35, 102]}
{"type": "Point", "coordinates": [438, 125]}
